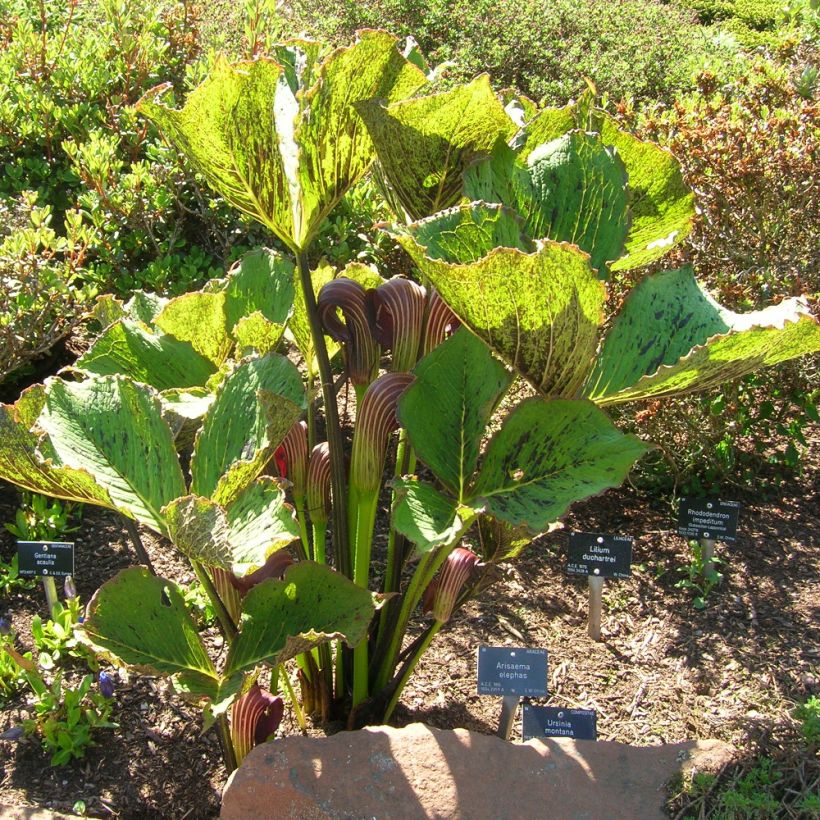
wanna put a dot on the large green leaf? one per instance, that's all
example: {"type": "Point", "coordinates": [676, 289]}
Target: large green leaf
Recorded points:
{"type": "Point", "coordinates": [199, 318]}
{"type": "Point", "coordinates": [448, 406]}
{"type": "Point", "coordinates": [549, 454]}
{"type": "Point", "coordinates": [547, 125]}
{"type": "Point", "coordinates": [571, 189]}
{"type": "Point", "coordinates": [160, 360]}
{"type": "Point", "coordinates": [261, 281]}
{"type": "Point", "coordinates": [465, 233]}
{"type": "Point", "coordinates": [142, 621]}
{"type": "Point", "coordinates": [539, 311]}
{"type": "Point", "coordinates": [671, 338]}
{"type": "Point", "coordinates": [254, 408]}
{"type": "Point", "coordinates": [311, 605]}
{"type": "Point", "coordinates": [425, 516]}
{"type": "Point", "coordinates": [239, 538]}
{"type": "Point", "coordinates": [113, 428]}
{"type": "Point", "coordinates": [661, 204]}
{"type": "Point", "coordinates": [279, 151]}
{"type": "Point", "coordinates": [424, 144]}
{"type": "Point", "coordinates": [22, 463]}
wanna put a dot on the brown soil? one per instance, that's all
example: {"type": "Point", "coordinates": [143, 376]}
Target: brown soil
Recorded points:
{"type": "Point", "coordinates": [663, 673]}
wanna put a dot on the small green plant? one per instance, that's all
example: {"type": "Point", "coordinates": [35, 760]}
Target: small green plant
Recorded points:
{"type": "Point", "coordinates": [54, 638]}
{"type": "Point", "coordinates": [199, 604]}
{"type": "Point", "coordinates": [39, 518]}
{"type": "Point", "coordinates": [10, 578]}
{"type": "Point", "coordinates": [696, 577]}
{"type": "Point", "coordinates": [67, 717]}
{"type": "Point", "coordinates": [808, 714]}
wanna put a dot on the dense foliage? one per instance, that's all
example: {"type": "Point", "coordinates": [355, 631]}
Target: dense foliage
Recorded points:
{"type": "Point", "coordinates": [632, 48]}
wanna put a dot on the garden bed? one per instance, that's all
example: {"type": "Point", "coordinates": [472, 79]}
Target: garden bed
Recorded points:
{"type": "Point", "coordinates": [665, 671]}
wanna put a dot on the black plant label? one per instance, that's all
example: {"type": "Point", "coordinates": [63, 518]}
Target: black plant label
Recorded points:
{"type": "Point", "coordinates": [551, 721]}
{"type": "Point", "coordinates": [41, 559]}
{"type": "Point", "coordinates": [708, 518]}
{"type": "Point", "coordinates": [593, 553]}
{"type": "Point", "coordinates": [505, 670]}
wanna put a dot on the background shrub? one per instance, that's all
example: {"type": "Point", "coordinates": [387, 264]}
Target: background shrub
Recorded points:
{"type": "Point", "coordinates": [632, 48]}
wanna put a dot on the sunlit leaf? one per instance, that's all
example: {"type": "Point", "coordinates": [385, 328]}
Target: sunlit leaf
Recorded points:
{"type": "Point", "coordinates": [424, 515]}
{"type": "Point", "coordinates": [142, 620]}
{"type": "Point", "coordinates": [447, 408]}
{"type": "Point", "coordinates": [424, 144]}
{"type": "Point", "coordinates": [549, 454]}
{"type": "Point", "coordinates": [254, 408]}
{"type": "Point", "coordinates": [539, 311]}
{"type": "Point", "coordinates": [311, 605]}
{"type": "Point", "coordinates": [671, 338]}
{"type": "Point", "coordinates": [114, 429]}
{"type": "Point", "coordinates": [160, 360]}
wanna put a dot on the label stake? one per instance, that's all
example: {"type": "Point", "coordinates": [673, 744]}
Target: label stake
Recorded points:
{"type": "Point", "coordinates": [707, 555]}
{"type": "Point", "coordinates": [596, 589]}
{"type": "Point", "coordinates": [509, 703]}
{"type": "Point", "coordinates": [51, 594]}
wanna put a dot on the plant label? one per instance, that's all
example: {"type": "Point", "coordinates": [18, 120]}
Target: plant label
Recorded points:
{"type": "Point", "coordinates": [504, 670]}
{"type": "Point", "coordinates": [708, 518]}
{"type": "Point", "coordinates": [45, 559]}
{"type": "Point", "coordinates": [605, 556]}
{"type": "Point", "coordinates": [549, 721]}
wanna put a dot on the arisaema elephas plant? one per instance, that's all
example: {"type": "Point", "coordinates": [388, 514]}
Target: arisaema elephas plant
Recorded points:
{"type": "Point", "coordinates": [514, 231]}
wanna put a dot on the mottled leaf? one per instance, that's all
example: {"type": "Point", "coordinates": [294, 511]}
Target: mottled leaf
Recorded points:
{"type": "Point", "coordinates": [571, 189]}
{"type": "Point", "coordinates": [671, 338]}
{"type": "Point", "coordinates": [254, 408]}
{"type": "Point", "coordinates": [311, 605]}
{"type": "Point", "coordinates": [262, 281]}
{"type": "Point", "coordinates": [255, 332]}
{"type": "Point", "coordinates": [539, 311]}
{"type": "Point", "coordinates": [424, 144]}
{"type": "Point", "coordinates": [425, 516]}
{"type": "Point", "coordinates": [160, 360]}
{"type": "Point", "coordinates": [448, 406]}
{"type": "Point", "coordinates": [545, 126]}
{"type": "Point", "coordinates": [142, 621]}
{"type": "Point", "coordinates": [661, 204]}
{"type": "Point", "coordinates": [463, 234]}
{"type": "Point", "coordinates": [114, 429]}
{"type": "Point", "coordinates": [22, 464]}
{"type": "Point", "coordinates": [280, 152]}
{"type": "Point", "coordinates": [199, 318]}
{"type": "Point", "coordinates": [240, 538]}
{"type": "Point", "coordinates": [547, 455]}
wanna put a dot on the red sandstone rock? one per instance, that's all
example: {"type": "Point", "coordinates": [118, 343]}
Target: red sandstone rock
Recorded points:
{"type": "Point", "coordinates": [383, 773]}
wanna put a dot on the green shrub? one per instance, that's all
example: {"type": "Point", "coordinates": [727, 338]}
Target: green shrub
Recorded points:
{"type": "Point", "coordinates": [70, 74]}
{"type": "Point", "coordinates": [629, 48]}
{"type": "Point", "coordinates": [40, 295]}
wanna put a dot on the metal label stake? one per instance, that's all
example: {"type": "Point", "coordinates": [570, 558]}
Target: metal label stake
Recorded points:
{"type": "Point", "coordinates": [707, 554]}
{"type": "Point", "coordinates": [596, 590]}
{"type": "Point", "coordinates": [509, 704]}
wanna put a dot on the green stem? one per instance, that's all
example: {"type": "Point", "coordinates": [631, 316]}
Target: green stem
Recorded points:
{"type": "Point", "coordinates": [362, 519]}
{"type": "Point", "coordinates": [228, 753]}
{"type": "Point", "coordinates": [319, 541]}
{"type": "Point", "coordinates": [409, 667]}
{"type": "Point", "coordinates": [224, 618]}
{"type": "Point", "coordinates": [311, 410]}
{"type": "Point", "coordinates": [301, 517]}
{"type": "Point", "coordinates": [334, 430]}
{"type": "Point", "coordinates": [297, 709]}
